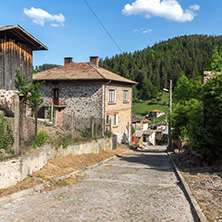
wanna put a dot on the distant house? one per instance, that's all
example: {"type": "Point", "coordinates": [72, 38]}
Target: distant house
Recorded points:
{"type": "Point", "coordinates": [149, 136]}
{"type": "Point", "coordinates": [146, 124]}
{"type": "Point", "coordinates": [16, 47]}
{"type": "Point", "coordinates": [137, 121]}
{"type": "Point", "coordinates": [156, 113]}
{"type": "Point", "coordinates": [85, 90]}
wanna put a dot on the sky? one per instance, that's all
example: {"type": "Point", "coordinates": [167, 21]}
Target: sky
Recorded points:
{"type": "Point", "coordinates": [70, 29]}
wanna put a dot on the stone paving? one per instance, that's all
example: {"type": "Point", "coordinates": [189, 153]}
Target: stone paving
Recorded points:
{"type": "Point", "coordinates": [141, 186]}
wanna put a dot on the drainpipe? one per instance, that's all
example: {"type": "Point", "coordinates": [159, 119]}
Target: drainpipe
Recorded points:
{"type": "Point", "coordinates": [104, 121]}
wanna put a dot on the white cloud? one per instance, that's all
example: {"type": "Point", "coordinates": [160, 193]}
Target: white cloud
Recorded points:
{"type": "Point", "coordinates": [41, 16]}
{"type": "Point", "coordinates": [142, 30]}
{"type": "Point", "coordinates": [168, 9]}
{"type": "Point", "coordinates": [147, 31]}
{"type": "Point", "coordinates": [195, 7]}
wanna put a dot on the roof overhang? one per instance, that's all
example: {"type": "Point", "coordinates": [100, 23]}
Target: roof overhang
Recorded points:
{"type": "Point", "coordinates": [20, 34]}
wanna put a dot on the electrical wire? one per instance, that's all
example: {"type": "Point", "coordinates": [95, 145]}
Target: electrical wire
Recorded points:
{"type": "Point", "coordinates": [102, 25]}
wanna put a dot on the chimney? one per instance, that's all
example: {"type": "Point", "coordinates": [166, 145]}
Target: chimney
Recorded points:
{"type": "Point", "coordinates": [94, 60]}
{"type": "Point", "coordinates": [67, 60]}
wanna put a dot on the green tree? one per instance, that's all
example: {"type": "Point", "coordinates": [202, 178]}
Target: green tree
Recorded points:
{"type": "Point", "coordinates": [215, 63]}
{"type": "Point", "coordinates": [30, 94]}
{"type": "Point", "coordinates": [212, 101]}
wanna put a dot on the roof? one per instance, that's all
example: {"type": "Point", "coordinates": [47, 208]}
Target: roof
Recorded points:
{"type": "Point", "coordinates": [148, 132]}
{"type": "Point", "coordinates": [147, 121]}
{"type": "Point", "coordinates": [137, 118]}
{"type": "Point", "coordinates": [80, 71]}
{"type": "Point", "coordinates": [17, 32]}
{"type": "Point", "coordinates": [156, 111]}
{"type": "Point", "coordinates": [139, 133]}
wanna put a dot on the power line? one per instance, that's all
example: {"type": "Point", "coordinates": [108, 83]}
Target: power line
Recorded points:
{"type": "Point", "coordinates": [103, 26]}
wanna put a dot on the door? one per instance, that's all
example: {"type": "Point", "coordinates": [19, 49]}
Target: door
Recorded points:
{"type": "Point", "coordinates": [56, 96]}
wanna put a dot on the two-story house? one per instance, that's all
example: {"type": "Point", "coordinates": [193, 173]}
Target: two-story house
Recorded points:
{"type": "Point", "coordinates": [85, 90]}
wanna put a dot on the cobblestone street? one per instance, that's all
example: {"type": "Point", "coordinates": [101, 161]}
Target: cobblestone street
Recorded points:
{"type": "Point", "coordinates": [140, 186]}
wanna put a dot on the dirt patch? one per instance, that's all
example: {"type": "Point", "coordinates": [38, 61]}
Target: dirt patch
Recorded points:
{"type": "Point", "coordinates": [205, 183]}
{"type": "Point", "coordinates": [61, 166]}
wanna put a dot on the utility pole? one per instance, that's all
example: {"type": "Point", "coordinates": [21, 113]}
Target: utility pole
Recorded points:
{"type": "Point", "coordinates": [170, 110]}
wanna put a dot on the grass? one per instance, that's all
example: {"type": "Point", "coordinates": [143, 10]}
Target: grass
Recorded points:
{"type": "Point", "coordinates": [145, 107]}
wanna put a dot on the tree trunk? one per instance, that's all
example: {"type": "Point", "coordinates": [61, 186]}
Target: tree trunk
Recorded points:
{"type": "Point", "coordinates": [21, 107]}
{"type": "Point", "coordinates": [36, 119]}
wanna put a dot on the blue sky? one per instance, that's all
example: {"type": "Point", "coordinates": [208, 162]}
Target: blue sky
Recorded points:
{"type": "Point", "coordinates": [69, 29]}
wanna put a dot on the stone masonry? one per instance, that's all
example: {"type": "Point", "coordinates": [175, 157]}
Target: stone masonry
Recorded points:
{"type": "Point", "coordinates": [84, 100]}
{"type": "Point", "coordinates": [7, 101]}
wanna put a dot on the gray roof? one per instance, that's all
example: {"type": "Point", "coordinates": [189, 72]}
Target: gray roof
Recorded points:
{"type": "Point", "coordinates": [139, 133]}
{"type": "Point", "coordinates": [148, 132]}
{"type": "Point", "coordinates": [17, 32]}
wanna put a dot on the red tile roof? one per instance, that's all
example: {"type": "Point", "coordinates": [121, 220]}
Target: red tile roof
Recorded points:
{"type": "Point", "coordinates": [147, 121]}
{"type": "Point", "coordinates": [156, 111]}
{"type": "Point", "coordinates": [79, 71]}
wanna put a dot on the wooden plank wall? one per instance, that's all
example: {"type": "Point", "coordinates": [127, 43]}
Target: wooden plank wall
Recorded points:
{"type": "Point", "coordinates": [15, 55]}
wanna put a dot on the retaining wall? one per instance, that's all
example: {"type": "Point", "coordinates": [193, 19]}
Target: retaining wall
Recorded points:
{"type": "Point", "coordinates": [15, 170]}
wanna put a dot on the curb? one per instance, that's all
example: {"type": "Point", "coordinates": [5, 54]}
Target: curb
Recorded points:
{"type": "Point", "coordinates": [36, 189]}
{"type": "Point", "coordinates": [198, 214]}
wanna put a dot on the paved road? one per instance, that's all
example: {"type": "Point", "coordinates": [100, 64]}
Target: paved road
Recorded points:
{"type": "Point", "coordinates": [138, 187]}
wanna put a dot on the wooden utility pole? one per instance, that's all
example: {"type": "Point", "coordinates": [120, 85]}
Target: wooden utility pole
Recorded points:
{"type": "Point", "coordinates": [170, 110]}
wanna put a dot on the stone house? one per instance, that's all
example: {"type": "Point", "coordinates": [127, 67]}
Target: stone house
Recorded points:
{"type": "Point", "coordinates": [81, 91]}
{"type": "Point", "coordinates": [16, 47]}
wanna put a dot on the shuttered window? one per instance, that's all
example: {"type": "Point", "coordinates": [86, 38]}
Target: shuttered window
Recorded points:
{"type": "Point", "coordinates": [125, 96]}
{"type": "Point", "coordinates": [112, 96]}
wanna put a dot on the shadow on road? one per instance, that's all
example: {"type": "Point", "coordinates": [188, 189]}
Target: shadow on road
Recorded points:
{"type": "Point", "coordinates": [154, 158]}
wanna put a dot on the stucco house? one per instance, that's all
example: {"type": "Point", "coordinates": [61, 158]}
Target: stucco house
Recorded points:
{"type": "Point", "coordinates": [16, 48]}
{"type": "Point", "coordinates": [85, 90]}
{"type": "Point", "coordinates": [156, 113]}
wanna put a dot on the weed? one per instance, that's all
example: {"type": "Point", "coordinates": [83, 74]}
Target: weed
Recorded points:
{"type": "Point", "coordinates": [41, 139]}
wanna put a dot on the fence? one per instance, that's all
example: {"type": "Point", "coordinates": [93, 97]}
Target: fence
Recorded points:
{"type": "Point", "coordinates": [22, 127]}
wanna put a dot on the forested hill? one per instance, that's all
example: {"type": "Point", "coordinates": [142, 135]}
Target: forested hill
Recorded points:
{"type": "Point", "coordinates": [154, 66]}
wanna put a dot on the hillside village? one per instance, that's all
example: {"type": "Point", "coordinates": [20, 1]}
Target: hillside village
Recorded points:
{"type": "Point", "coordinates": [87, 108]}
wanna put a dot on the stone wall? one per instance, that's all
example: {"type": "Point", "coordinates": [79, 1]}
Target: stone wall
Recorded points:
{"type": "Point", "coordinates": [83, 100]}
{"type": "Point", "coordinates": [7, 101]}
{"type": "Point", "coordinates": [15, 170]}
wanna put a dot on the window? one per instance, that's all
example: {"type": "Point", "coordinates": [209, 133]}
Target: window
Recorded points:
{"type": "Point", "coordinates": [107, 120]}
{"type": "Point", "coordinates": [112, 96]}
{"type": "Point", "coordinates": [125, 95]}
{"type": "Point", "coordinates": [115, 120]}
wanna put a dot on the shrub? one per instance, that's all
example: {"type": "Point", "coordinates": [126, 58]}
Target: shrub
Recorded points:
{"type": "Point", "coordinates": [6, 138]}
{"type": "Point", "coordinates": [41, 139]}
{"type": "Point", "coordinates": [108, 134]}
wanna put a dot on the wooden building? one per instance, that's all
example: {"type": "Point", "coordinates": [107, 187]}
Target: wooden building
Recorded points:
{"type": "Point", "coordinates": [16, 47]}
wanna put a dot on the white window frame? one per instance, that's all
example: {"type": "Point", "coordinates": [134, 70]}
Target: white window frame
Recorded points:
{"type": "Point", "coordinates": [115, 120]}
{"type": "Point", "coordinates": [126, 95]}
{"type": "Point", "coordinates": [112, 96]}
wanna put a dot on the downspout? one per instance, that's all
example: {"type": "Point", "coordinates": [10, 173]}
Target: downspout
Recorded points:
{"type": "Point", "coordinates": [104, 121]}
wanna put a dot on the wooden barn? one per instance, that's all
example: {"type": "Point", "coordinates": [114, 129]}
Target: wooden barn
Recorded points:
{"type": "Point", "coordinates": [16, 47]}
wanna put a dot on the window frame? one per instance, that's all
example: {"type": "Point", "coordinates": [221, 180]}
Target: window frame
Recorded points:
{"type": "Point", "coordinates": [115, 120]}
{"type": "Point", "coordinates": [110, 99]}
{"type": "Point", "coordinates": [126, 96]}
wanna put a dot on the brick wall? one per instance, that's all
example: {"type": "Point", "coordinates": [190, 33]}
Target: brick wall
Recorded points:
{"type": "Point", "coordinates": [123, 109]}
